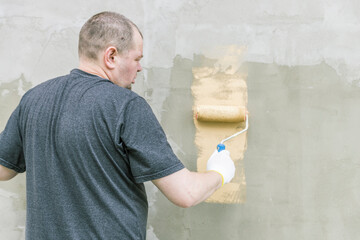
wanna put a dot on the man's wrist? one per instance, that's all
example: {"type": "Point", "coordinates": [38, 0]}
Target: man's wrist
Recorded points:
{"type": "Point", "coordinates": [222, 177]}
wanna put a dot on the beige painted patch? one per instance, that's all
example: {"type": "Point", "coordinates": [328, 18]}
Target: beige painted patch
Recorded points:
{"type": "Point", "coordinates": [211, 87]}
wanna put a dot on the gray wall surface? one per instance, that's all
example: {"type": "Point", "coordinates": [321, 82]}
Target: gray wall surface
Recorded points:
{"type": "Point", "coordinates": [302, 62]}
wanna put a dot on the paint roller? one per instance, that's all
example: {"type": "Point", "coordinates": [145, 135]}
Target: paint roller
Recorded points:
{"type": "Point", "coordinates": [225, 114]}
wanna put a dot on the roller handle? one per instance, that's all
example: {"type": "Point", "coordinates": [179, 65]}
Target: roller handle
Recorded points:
{"type": "Point", "coordinates": [220, 147]}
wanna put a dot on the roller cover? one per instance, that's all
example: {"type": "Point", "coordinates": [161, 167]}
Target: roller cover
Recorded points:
{"type": "Point", "coordinates": [212, 113]}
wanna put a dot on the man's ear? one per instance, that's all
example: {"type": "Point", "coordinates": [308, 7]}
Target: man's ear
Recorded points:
{"type": "Point", "coordinates": [109, 57]}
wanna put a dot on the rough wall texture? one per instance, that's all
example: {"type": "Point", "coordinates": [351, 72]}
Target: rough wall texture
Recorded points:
{"type": "Point", "coordinates": [303, 74]}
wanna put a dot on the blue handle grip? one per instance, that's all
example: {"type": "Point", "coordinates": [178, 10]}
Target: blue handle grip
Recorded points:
{"type": "Point", "coordinates": [220, 147]}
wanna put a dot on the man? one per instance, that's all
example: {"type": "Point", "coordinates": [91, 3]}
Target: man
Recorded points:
{"type": "Point", "coordinates": [87, 143]}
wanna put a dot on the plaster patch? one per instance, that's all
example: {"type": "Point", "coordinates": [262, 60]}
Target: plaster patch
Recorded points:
{"type": "Point", "coordinates": [176, 148]}
{"type": "Point", "coordinates": [150, 235]}
{"type": "Point", "coordinates": [7, 194]}
{"type": "Point", "coordinates": [4, 92]}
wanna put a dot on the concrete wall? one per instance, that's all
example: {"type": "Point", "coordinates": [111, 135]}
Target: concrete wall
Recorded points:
{"type": "Point", "coordinates": [302, 62]}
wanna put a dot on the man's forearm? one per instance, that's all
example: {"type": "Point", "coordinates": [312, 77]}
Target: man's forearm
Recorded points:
{"type": "Point", "coordinates": [204, 185]}
{"type": "Point", "coordinates": [186, 189]}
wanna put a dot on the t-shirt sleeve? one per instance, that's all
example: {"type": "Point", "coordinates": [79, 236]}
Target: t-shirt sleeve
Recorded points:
{"type": "Point", "coordinates": [150, 155]}
{"type": "Point", "coordinates": [11, 148]}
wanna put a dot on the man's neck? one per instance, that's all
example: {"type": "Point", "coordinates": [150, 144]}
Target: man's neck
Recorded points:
{"type": "Point", "coordinates": [92, 68]}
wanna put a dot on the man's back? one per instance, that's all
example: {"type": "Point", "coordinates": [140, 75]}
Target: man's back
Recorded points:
{"type": "Point", "coordinates": [78, 181]}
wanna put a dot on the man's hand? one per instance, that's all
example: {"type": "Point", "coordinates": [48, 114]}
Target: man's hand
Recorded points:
{"type": "Point", "coordinates": [221, 163]}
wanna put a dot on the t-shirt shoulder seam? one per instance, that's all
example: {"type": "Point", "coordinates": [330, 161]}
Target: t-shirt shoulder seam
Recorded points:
{"type": "Point", "coordinates": [122, 114]}
{"type": "Point", "coordinates": [126, 106]}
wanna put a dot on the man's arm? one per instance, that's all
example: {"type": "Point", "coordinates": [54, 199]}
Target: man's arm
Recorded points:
{"type": "Point", "coordinates": [186, 189]}
{"type": "Point", "coordinates": [6, 173]}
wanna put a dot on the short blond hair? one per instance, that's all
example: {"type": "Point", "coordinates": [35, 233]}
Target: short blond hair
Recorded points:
{"type": "Point", "coordinates": [103, 30]}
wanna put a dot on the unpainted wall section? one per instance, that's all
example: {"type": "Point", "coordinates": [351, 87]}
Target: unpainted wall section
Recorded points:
{"type": "Point", "coordinates": [302, 67]}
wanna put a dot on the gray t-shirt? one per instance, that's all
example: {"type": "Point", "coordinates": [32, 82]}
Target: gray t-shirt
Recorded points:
{"type": "Point", "coordinates": [87, 146]}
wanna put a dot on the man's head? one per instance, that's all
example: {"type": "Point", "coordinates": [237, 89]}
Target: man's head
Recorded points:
{"type": "Point", "coordinates": [113, 44]}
